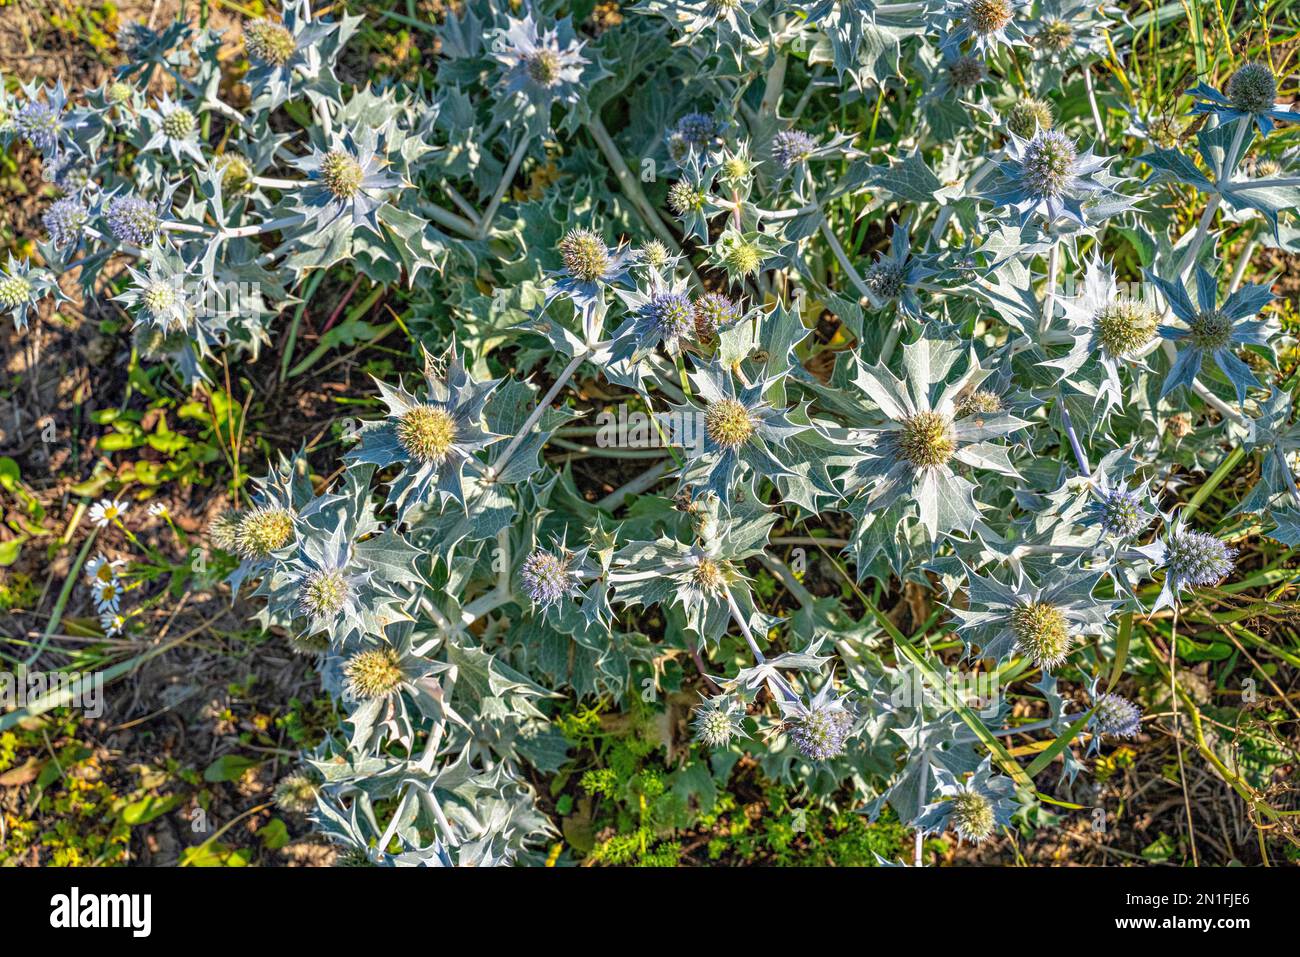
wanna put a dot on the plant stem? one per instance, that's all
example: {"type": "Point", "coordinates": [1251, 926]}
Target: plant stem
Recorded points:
{"type": "Point", "coordinates": [1092, 102]}
{"type": "Point", "coordinates": [632, 187]}
{"type": "Point", "coordinates": [1049, 294]}
{"type": "Point", "coordinates": [1178, 733]}
{"type": "Point", "coordinates": [512, 167]}
{"type": "Point", "coordinates": [500, 465]}
{"type": "Point", "coordinates": [1079, 455]}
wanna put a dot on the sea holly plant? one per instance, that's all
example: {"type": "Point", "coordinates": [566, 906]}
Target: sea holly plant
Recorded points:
{"type": "Point", "coordinates": [906, 421]}
{"type": "Point", "coordinates": [908, 462]}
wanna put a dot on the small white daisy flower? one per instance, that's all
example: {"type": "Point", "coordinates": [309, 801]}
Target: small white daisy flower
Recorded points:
{"type": "Point", "coordinates": [107, 510]}
{"type": "Point", "coordinates": [112, 623]}
{"type": "Point", "coordinates": [108, 596]}
{"type": "Point", "coordinates": [102, 569]}
{"type": "Point", "coordinates": [159, 510]}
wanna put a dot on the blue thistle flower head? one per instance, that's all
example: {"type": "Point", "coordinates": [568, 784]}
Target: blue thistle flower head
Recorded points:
{"type": "Point", "coordinates": [895, 275]}
{"type": "Point", "coordinates": [821, 732]}
{"type": "Point", "coordinates": [1066, 31]}
{"type": "Point", "coordinates": [1190, 559]}
{"type": "Point", "coordinates": [1119, 512]}
{"type": "Point", "coordinates": [1198, 558]}
{"type": "Point", "coordinates": [39, 125]}
{"type": "Point", "coordinates": [548, 578]}
{"type": "Point", "coordinates": [65, 220]}
{"type": "Point", "coordinates": [673, 317]}
{"type": "Point", "coordinates": [292, 54]}
{"type": "Point", "coordinates": [45, 121]}
{"type": "Point", "coordinates": [714, 311]}
{"type": "Point", "coordinates": [1041, 622]}
{"type": "Point", "coordinates": [1210, 330]}
{"type": "Point", "coordinates": [819, 728]}
{"type": "Point", "coordinates": [1116, 716]}
{"type": "Point", "coordinates": [1249, 96]}
{"type": "Point", "coordinates": [133, 219]}
{"type": "Point", "coordinates": [1047, 176]}
{"type": "Point", "coordinates": [699, 131]}
{"type": "Point", "coordinates": [663, 314]}
{"type": "Point", "coordinates": [791, 147]}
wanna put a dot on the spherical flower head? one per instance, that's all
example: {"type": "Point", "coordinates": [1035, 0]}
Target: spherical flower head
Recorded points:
{"type": "Point", "coordinates": [967, 71]}
{"type": "Point", "coordinates": [223, 531]}
{"type": "Point", "coordinates": [698, 130]}
{"type": "Point", "coordinates": [1197, 558]}
{"type": "Point", "coordinates": [972, 816]}
{"type": "Point", "coordinates": [820, 734]}
{"type": "Point", "coordinates": [979, 402]}
{"type": "Point", "coordinates": [1115, 715]}
{"type": "Point", "coordinates": [887, 278]}
{"type": "Point", "coordinates": [655, 254]}
{"type": "Point", "coordinates": [1124, 327]}
{"type": "Point", "coordinates": [263, 531]}
{"type": "Point", "coordinates": [268, 42]}
{"type": "Point", "coordinates": [324, 592]}
{"type": "Point", "coordinates": [133, 220]}
{"type": "Point", "coordinates": [585, 254]}
{"type": "Point", "coordinates": [39, 124]}
{"type": "Point", "coordinates": [1028, 115]}
{"type": "Point", "coordinates": [295, 793]}
{"type": "Point", "coordinates": [236, 173]}
{"type": "Point", "coordinates": [546, 578]}
{"type": "Point", "coordinates": [341, 174]}
{"type": "Point", "coordinates": [179, 123]}
{"type": "Point", "coordinates": [544, 67]}
{"type": "Point", "coordinates": [714, 727]}
{"type": "Point", "coordinates": [1055, 35]}
{"type": "Point", "coordinates": [987, 16]}
{"type": "Point", "coordinates": [427, 432]}
{"type": "Point", "coordinates": [1210, 330]}
{"type": "Point", "coordinates": [64, 220]}
{"type": "Point", "coordinates": [685, 197]}
{"type": "Point", "coordinates": [744, 258]}
{"type": "Point", "coordinates": [714, 311]}
{"type": "Point", "coordinates": [1042, 634]}
{"type": "Point", "coordinates": [1121, 514]}
{"type": "Point", "coordinates": [737, 167]}
{"type": "Point", "coordinates": [708, 576]}
{"type": "Point", "coordinates": [14, 291]}
{"type": "Point", "coordinates": [1049, 161]}
{"type": "Point", "coordinates": [926, 440]}
{"type": "Point", "coordinates": [1265, 168]}
{"type": "Point", "coordinates": [119, 93]}
{"type": "Point", "coordinates": [792, 146]}
{"type": "Point", "coordinates": [374, 673]}
{"type": "Point", "coordinates": [1252, 89]}
{"type": "Point", "coordinates": [728, 423]}
{"type": "Point", "coordinates": [673, 314]}
{"type": "Point", "coordinates": [159, 298]}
